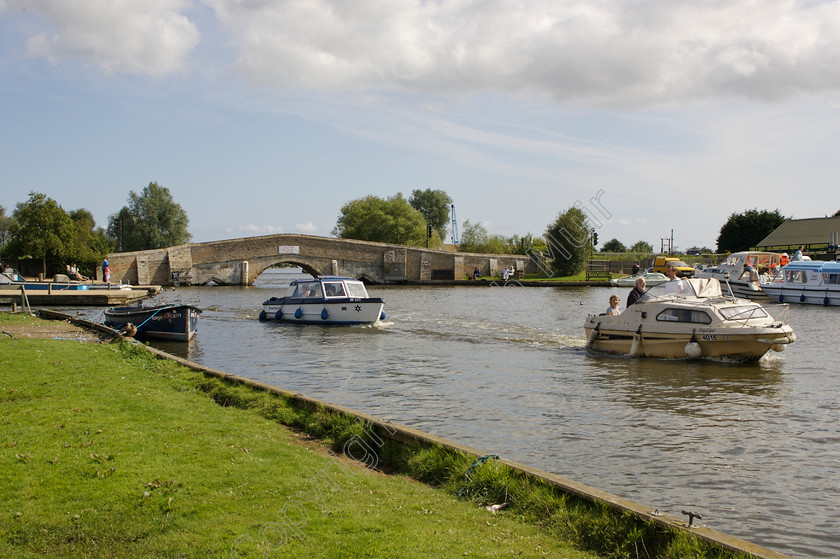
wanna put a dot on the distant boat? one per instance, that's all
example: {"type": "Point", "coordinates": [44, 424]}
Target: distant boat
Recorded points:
{"type": "Point", "coordinates": [744, 271]}
{"type": "Point", "coordinates": [651, 279]}
{"type": "Point", "coordinates": [176, 322]}
{"type": "Point", "coordinates": [811, 282]}
{"type": "Point", "coordinates": [325, 300]}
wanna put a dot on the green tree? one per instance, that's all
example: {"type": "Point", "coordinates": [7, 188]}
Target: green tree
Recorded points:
{"type": "Point", "coordinates": [392, 220]}
{"type": "Point", "coordinates": [745, 230]}
{"type": "Point", "coordinates": [642, 247]}
{"type": "Point", "coordinates": [6, 223]}
{"type": "Point", "coordinates": [43, 230]}
{"type": "Point", "coordinates": [435, 206]}
{"type": "Point", "coordinates": [613, 245]}
{"type": "Point", "coordinates": [152, 219]}
{"type": "Point", "coordinates": [475, 238]}
{"type": "Point", "coordinates": [569, 242]}
{"type": "Point", "coordinates": [89, 243]}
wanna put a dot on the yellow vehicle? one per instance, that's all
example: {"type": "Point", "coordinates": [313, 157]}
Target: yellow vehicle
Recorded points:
{"type": "Point", "coordinates": [683, 269]}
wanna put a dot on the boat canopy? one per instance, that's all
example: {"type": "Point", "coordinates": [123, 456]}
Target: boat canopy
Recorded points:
{"type": "Point", "coordinates": [706, 288]}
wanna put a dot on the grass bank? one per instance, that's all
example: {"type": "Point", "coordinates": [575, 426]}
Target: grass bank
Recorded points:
{"type": "Point", "coordinates": [108, 451]}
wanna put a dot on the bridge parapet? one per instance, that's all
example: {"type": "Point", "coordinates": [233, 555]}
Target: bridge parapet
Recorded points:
{"type": "Point", "coordinates": [241, 261]}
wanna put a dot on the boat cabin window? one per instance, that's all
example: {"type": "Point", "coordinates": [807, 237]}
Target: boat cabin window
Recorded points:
{"type": "Point", "coordinates": [684, 315]}
{"type": "Point", "coordinates": [334, 289]}
{"type": "Point", "coordinates": [795, 276]}
{"type": "Point", "coordinates": [356, 289]}
{"type": "Point", "coordinates": [831, 279]}
{"type": "Point", "coordinates": [743, 312]}
{"type": "Point", "coordinates": [307, 290]}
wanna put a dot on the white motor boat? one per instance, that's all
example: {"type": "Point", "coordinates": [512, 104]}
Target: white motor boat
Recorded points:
{"type": "Point", "coordinates": [810, 282]}
{"type": "Point", "coordinates": [325, 300]}
{"type": "Point", "coordinates": [691, 318]}
{"type": "Point", "coordinates": [744, 271]}
{"type": "Point", "coordinates": [651, 279]}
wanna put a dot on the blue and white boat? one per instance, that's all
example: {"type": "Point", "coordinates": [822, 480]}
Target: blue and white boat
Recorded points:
{"type": "Point", "coordinates": [325, 300]}
{"type": "Point", "coordinates": [809, 282]}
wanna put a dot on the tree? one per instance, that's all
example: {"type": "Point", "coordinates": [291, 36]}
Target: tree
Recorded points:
{"type": "Point", "coordinates": [89, 244]}
{"type": "Point", "coordinates": [475, 238]}
{"type": "Point", "coordinates": [642, 247]}
{"type": "Point", "coordinates": [745, 230]}
{"type": "Point", "coordinates": [152, 219]}
{"type": "Point", "coordinates": [613, 245]}
{"type": "Point", "coordinates": [6, 223]}
{"type": "Point", "coordinates": [568, 240]}
{"type": "Point", "coordinates": [42, 229]}
{"type": "Point", "coordinates": [435, 206]}
{"type": "Point", "coordinates": [392, 220]}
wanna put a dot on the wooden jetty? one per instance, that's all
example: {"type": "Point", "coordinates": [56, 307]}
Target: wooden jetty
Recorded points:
{"type": "Point", "coordinates": [103, 297]}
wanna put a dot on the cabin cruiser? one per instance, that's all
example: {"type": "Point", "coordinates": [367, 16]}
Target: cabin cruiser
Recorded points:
{"type": "Point", "coordinates": [810, 282]}
{"type": "Point", "coordinates": [691, 318]}
{"type": "Point", "coordinates": [745, 271]}
{"type": "Point", "coordinates": [651, 279]}
{"type": "Point", "coordinates": [325, 300]}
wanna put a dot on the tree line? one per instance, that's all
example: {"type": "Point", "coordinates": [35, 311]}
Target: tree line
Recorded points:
{"type": "Point", "coordinates": [39, 232]}
{"type": "Point", "coordinates": [44, 238]}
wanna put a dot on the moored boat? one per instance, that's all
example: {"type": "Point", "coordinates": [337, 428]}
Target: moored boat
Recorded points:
{"type": "Point", "coordinates": [691, 318]}
{"type": "Point", "coordinates": [744, 271]}
{"type": "Point", "coordinates": [651, 279]}
{"type": "Point", "coordinates": [174, 322]}
{"type": "Point", "coordinates": [809, 282]}
{"type": "Point", "coordinates": [325, 300]}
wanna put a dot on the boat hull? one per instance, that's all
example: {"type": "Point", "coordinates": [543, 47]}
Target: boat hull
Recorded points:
{"type": "Point", "coordinates": [803, 296]}
{"type": "Point", "coordinates": [166, 322]}
{"type": "Point", "coordinates": [345, 312]}
{"type": "Point", "coordinates": [729, 346]}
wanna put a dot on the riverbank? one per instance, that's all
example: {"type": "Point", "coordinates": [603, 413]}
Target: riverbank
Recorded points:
{"type": "Point", "coordinates": [155, 462]}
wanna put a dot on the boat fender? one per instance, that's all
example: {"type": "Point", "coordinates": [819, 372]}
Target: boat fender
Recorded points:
{"type": "Point", "coordinates": [635, 345]}
{"type": "Point", "coordinates": [802, 298]}
{"type": "Point", "coordinates": [279, 314]}
{"type": "Point", "coordinates": [594, 334]}
{"type": "Point", "coordinates": [382, 316]}
{"type": "Point", "coordinates": [262, 316]}
{"type": "Point", "coordinates": [692, 350]}
{"type": "Point", "coordinates": [781, 298]}
{"type": "Point", "coordinates": [298, 313]}
{"type": "Point", "coordinates": [825, 300]}
{"type": "Point", "coordinates": [324, 314]}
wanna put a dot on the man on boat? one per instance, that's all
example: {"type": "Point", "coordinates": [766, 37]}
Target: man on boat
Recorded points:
{"type": "Point", "coordinates": [674, 284]}
{"type": "Point", "coordinates": [637, 291]}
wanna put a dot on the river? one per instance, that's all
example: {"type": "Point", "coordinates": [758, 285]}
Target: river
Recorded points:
{"type": "Point", "coordinates": [754, 449]}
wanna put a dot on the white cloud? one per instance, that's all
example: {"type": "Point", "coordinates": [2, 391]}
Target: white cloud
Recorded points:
{"type": "Point", "coordinates": [612, 52]}
{"type": "Point", "coordinates": [308, 228]}
{"type": "Point", "coordinates": [254, 230]}
{"type": "Point", "coordinates": [150, 37]}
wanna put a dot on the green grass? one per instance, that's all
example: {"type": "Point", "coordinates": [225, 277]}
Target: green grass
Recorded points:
{"type": "Point", "coordinates": [108, 451]}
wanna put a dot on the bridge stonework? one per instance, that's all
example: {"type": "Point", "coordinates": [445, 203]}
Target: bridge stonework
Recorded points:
{"type": "Point", "coordinates": [241, 261]}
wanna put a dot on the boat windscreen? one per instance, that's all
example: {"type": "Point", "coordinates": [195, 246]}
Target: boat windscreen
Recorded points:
{"type": "Point", "coordinates": [743, 312]}
{"type": "Point", "coordinates": [356, 289]}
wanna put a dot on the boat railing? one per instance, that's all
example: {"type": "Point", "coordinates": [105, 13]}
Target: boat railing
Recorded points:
{"type": "Point", "coordinates": [781, 311]}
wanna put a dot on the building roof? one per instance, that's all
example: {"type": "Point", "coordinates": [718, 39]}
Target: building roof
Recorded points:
{"type": "Point", "coordinates": [814, 233]}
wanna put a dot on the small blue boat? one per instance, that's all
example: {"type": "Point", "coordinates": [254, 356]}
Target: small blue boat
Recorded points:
{"type": "Point", "coordinates": [325, 300]}
{"type": "Point", "coordinates": [175, 322]}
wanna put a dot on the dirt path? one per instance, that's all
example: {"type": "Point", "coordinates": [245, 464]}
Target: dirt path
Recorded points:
{"type": "Point", "coordinates": [51, 329]}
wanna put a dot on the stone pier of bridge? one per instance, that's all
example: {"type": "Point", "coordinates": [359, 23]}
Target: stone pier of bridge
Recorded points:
{"type": "Point", "coordinates": [241, 261]}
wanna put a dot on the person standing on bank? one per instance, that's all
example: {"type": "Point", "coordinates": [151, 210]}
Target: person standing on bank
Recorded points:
{"type": "Point", "coordinates": [106, 271]}
{"type": "Point", "coordinates": [637, 291]}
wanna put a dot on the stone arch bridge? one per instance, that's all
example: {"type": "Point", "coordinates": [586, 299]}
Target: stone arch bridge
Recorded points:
{"type": "Point", "coordinates": [241, 261]}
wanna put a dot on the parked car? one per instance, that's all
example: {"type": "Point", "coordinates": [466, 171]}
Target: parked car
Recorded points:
{"type": "Point", "coordinates": [683, 269]}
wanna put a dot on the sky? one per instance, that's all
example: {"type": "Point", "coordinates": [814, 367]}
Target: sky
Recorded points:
{"type": "Point", "coordinates": [656, 117]}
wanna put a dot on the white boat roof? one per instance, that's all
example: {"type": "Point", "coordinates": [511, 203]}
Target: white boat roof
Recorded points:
{"type": "Point", "coordinates": [823, 266]}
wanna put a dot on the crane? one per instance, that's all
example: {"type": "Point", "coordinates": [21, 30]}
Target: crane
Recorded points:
{"type": "Point", "coordinates": [454, 226]}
